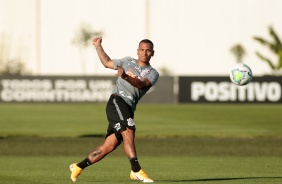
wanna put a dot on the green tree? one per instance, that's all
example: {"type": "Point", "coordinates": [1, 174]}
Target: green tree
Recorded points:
{"type": "Point", "coordinates": [82, 39]}
{"type": "Point", "coordinates": [238, 52]}
{"type": "Point", "coordinates": [8, 65]}
{"type": "Point", "coordinates": [165, 71]}
{"type": "Point", "coordinates": [275, 47]}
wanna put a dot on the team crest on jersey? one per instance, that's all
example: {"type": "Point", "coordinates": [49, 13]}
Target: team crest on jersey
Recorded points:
{"type": "Point", "coordinates": [145, 72]}
{"type": "Point", "coordinates": [130, 122]}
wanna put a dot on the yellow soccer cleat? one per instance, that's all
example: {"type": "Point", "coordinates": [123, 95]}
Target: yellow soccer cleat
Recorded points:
{"type": "Point", "coordinates": [75, 172]}
{"type": "Point", "coordinates": [141, 175]}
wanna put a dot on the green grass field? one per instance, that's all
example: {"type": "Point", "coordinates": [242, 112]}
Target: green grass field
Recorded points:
{"type": "Point", "coordinates": [203, 144]}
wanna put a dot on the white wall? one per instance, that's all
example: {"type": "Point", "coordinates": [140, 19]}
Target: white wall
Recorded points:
{"type": "Point", "coordinates": [192, 37]}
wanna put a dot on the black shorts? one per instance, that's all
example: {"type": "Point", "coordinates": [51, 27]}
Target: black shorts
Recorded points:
{"type": "Point", "coordinates": [120, 116]}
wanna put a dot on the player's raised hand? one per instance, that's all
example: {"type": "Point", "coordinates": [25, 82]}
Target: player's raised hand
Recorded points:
{"type": "Point", "coordinates": [97, 41]}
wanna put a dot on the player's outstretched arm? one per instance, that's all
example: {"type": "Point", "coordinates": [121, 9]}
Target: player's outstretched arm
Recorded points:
{"type": "Point", "coordinates": [104, 58]}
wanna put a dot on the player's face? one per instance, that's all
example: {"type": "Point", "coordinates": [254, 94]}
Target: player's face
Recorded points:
{"type": "Point", "coordinates": [145, 52]}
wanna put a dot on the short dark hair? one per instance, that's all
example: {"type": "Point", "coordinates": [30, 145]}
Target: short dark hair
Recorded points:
{"type": "Point", "coordinates": [147, 41]}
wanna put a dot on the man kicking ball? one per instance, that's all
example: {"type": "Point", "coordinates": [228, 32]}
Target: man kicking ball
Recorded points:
{"type": "Point", "coordinates": [135, 78]}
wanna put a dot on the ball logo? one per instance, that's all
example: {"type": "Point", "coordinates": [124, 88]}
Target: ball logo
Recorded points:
{"type": "Point", "coordinates": [241, 74]}
{"type": "Point", "coordinates": [238, 75]}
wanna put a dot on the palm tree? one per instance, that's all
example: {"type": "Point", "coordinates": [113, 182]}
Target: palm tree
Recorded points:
{"type": "Point", "coordinates": [82, 39]}
{"type": "Point", "coordinates": [239, 52]}
{"type": "Point", "coordinates": [165, 71]}
{"type": "Point", "coordinates": [9, 66]}
{"type": "Point", "coordinates": [274, 46]}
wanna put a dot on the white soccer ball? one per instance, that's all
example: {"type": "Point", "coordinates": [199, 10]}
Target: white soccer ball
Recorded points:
{"type": "Point", "coordinates": [241, 74]}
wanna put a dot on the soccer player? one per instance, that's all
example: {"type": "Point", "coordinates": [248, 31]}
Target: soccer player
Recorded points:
{"type": "Point", "coordinates": [135, 77]}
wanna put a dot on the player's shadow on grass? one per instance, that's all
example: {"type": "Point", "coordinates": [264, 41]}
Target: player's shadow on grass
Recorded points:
{"type": "Point", "coordinates": [91, 135]}
{"type": "Point", "coordinates": [220, 179]}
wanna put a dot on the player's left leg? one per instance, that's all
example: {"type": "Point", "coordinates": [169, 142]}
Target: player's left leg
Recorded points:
{"type": "Point", "coordinates": [128, 136]}
{"type": "Point", "coordinates": [140, 175]}
{"type": "Point", "coordinates": [121, 118]}
{"type": "Point", "coordinates": [129, 148]}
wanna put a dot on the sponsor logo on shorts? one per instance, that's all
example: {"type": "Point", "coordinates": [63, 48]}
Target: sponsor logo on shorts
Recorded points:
{"type": "Point", "coordinates": [130, 122]}
{"type": "Point", "coordinates": [117, 126]}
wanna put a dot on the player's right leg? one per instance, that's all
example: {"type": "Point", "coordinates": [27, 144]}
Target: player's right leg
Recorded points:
{"type": "Point", "coordinates": [75, 171]}
{"type": "Point", "coordinates": [94, 156]}
{"type": "Point", "coordinates": [110, 144]}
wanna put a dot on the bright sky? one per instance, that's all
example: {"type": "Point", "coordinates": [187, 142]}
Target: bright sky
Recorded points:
{"type": "Point", "coordinates": [192, 37]}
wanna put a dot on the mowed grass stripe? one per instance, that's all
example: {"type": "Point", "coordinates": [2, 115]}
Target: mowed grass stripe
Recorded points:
{"type": "Point", "coordinates": [72, 120]}
{"type": "Point", "coordinates": [168, 169]}
{"type": "Point", "coordinates": [172, 146]}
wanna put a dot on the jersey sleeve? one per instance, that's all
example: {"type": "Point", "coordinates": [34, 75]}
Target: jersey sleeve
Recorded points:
{"type": "Point", "coordinates": [120, 61]}
{"type": "Point", "coordinates": [152, 76]}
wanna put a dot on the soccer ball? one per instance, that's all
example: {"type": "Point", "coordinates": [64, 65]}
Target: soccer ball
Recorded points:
{"type": "Point", "coordinates": [241, 74]}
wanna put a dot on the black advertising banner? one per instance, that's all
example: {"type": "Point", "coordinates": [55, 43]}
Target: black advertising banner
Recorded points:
{"type": "Point", "coordinates": [222, 90]}
{"type": "Point", "coordinates": [55, 89]}
{"type": "Point", "coordinates": [72, 89]}
{"type": "Point", "coordinates": [99, 88]}
{"type": "Point", "coordinates": [162, 92]}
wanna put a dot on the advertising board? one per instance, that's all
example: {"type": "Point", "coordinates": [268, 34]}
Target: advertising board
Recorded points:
{"type": "Point", "coordinates": [222, 90]}
{"type": "Point", "coordinates": [73, 89]}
